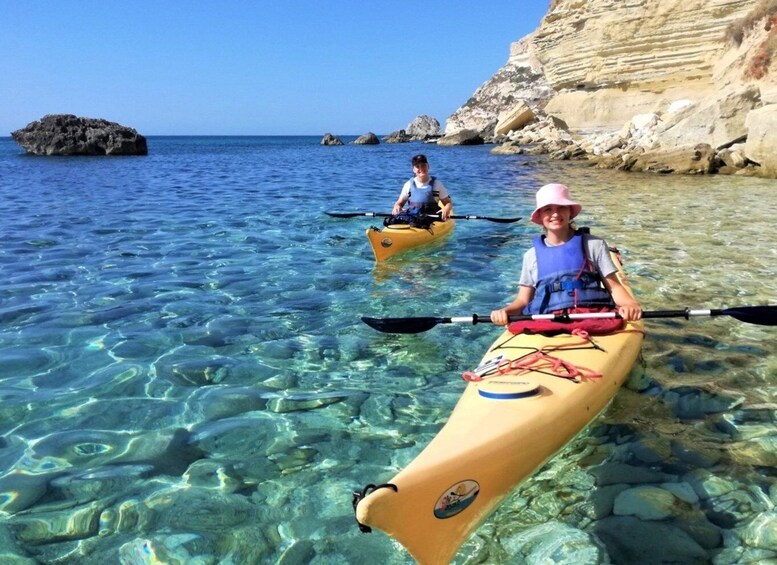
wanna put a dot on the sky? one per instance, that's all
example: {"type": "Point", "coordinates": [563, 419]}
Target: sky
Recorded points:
{"type": "Point", "coordinates": [262, 67]}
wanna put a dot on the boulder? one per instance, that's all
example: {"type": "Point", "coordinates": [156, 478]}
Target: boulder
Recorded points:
{"type": "Point", "coordinates": [761, 144]}
{"type": "Point", "coordinates": [399, 136]}
{"type": "Point", "coordinates": [687, 159]}
{"type": "Point", "coordinates": [330, 139]}
{"type": "Point", "coordinates": [507, 148]}
{"type": "Point", "coordinates": [368, 138]}
{"type": "Point", "coordinates": [66, 134]}
{"type": "Point", "coordinates": [423, 128]}
{"type": "Point", "coordinates": [514, 119]}
{"type": "Point", "coordinates": [631, 540]}
{"type": "Point", "coordinates": [463, 137]}
{"type": "Point", "coordinates": [716, 120]}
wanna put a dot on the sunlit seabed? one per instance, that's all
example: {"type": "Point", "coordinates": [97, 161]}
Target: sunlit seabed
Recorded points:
{"type": "Point", "coordinates": [183, 371]}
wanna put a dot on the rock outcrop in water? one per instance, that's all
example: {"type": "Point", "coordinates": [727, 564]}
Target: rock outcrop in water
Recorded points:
{"type": "Point", "coordinates": [66, 134]}
{"type": "Point", "coordinates": [659, 85]}
{"type": "Point", "coordinates": [368, 138]}
{"type": "Point", "coordinates": [330, 139]}
{"type": "Point", "coordinates": [399, 136]}
{"type": "Point", "coordinates": [423, 127]}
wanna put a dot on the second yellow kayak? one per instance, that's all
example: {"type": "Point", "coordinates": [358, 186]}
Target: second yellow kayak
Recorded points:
{"type": "Point", "coordinates": [400, 237]}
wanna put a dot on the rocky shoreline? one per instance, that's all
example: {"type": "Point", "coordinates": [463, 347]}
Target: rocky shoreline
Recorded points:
{"type": "Point", "coordinates": [631, 149]}
{"type": "Point", "coordinates": [690, 89]}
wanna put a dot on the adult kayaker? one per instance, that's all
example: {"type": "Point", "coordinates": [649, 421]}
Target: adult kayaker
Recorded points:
{"type": "Point", "coordinates": [422, 193]}
{"type": "Point", "coordinates": [566, 268]}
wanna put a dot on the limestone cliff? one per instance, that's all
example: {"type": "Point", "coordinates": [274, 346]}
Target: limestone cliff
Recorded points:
{"type": "Point", "coordinates": [520, 80]}
{"type": "Point", "coordinates": [699, 68]}
{"type": "Point", "coordinates": [609, 60]}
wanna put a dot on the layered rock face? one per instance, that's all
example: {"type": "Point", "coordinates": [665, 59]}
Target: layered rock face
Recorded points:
{"type": "Point", "coordinates": [66, 134]}
{"type": "Point", "coordinates": [609, 60]}
{"type": "Point", "coordinates": [632, 81]}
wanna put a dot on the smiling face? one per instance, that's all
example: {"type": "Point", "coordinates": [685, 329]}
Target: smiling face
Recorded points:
{"type": "Point", "coordinates": [556, 219]}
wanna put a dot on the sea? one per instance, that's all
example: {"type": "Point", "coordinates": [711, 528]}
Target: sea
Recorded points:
{"type": "Point", "coordinates": [185, 376]}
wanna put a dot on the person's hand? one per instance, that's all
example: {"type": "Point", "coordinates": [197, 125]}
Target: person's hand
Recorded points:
{"type": "Point", "coordinates": [445, 214]}
{"type": "Point", "coordinates": [499, 317]}
{"type": "Point", "coordinates": [396, 209]}
{"type": "Point", "coordinates": [630, 312]}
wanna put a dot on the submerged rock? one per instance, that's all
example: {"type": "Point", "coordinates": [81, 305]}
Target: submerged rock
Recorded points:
{"type": "Point", "coordinates": [66, 134]}
{"type": "Point", "coordinates": [629, 540]}
{"type": "Point", "coordinates": [554, 542]}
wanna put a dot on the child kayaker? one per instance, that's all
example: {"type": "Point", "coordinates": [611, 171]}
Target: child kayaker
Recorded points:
{"type": "Point", "coordinates": [423, 192]}
{"type": "Point", "coordinates": [566, 268]}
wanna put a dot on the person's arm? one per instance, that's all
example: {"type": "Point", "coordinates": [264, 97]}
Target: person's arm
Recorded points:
{"type": "Point", "coordinates": [628, 307]}
{"type": "Point", "coordinates": [443, 198]}
{"type": "Point", "coordinates": [403, 195]}
{"type": "Point", "coordinates": [447, 203]}
{"type": "Point", "coordinates": [525, 295]}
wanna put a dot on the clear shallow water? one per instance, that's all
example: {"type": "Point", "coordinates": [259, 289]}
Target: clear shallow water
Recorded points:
{"type": "Point", "coordinates": [183, 372]}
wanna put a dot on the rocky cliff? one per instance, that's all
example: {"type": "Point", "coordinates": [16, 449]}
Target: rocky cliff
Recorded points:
{"type": "Point", "coordinates": [633, 82]}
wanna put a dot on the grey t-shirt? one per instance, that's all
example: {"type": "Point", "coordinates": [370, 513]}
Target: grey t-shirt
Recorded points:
{"type": "Point", "coordinates": [595, 248]}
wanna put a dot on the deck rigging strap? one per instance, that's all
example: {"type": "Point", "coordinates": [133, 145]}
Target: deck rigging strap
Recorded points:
{"type": "Point", "coordinates": [541, 360]}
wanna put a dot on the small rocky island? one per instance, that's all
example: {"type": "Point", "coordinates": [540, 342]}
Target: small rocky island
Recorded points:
{"type": "Point", "coordinates": [66, 134]}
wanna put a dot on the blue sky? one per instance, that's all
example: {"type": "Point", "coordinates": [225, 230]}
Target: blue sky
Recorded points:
{"type": "Point", "coordinates": [253, 67]}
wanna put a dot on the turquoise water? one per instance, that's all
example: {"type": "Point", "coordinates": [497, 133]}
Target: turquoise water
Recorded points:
{"type": "Point", "coordinates": [184, 376]}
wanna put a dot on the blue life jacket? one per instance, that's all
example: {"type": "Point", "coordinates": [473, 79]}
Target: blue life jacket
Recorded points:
{"type": "Point", "coordinates": [566, 278]}
{"type": "Point", "coordinates": [422, 200]}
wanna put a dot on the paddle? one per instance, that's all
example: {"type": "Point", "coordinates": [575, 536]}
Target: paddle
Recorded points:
{"type": "Point", "coordinates": [382, 214]}
{"type": "Point", "coordinates": [762, 315]}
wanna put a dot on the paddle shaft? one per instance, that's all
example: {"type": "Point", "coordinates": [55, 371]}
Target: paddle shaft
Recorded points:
{"type": "Point", "coordinates": [387, 215]}
{"type": "Point", "coordinates": [761, 315]}
{"type": "Point", "coordinates": [686, 313]}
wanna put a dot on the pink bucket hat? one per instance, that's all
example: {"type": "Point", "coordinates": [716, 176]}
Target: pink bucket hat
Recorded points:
{"type": "Point", "coordinates": [557, 194]}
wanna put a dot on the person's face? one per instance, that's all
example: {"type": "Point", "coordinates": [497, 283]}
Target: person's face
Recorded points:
{"type": "Point", "coordinates": [555, 216]}
{"type": "Point", "coordinates": [421, 169]}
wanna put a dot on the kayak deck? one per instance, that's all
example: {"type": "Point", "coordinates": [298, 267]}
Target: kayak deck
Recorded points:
{"type": "Point", "coordinates": [503, 428]}
{"type": "Point", "coordinates": [397, 238]}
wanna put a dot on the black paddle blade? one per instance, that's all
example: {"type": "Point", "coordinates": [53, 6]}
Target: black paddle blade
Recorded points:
{"type": "Point", "coordinates": [402, 325]}
{"type": "Point", "coordinates": [761, 315]}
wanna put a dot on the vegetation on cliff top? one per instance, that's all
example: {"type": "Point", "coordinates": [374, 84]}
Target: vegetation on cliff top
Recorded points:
{"type": "Point", "coordinates": [765, 11]}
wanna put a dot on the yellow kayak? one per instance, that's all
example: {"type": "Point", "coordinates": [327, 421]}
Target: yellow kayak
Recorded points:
{"type": "Point", "coordinates": [396, 238]}
{"type": "Point", "coordinates": [514, 414]}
